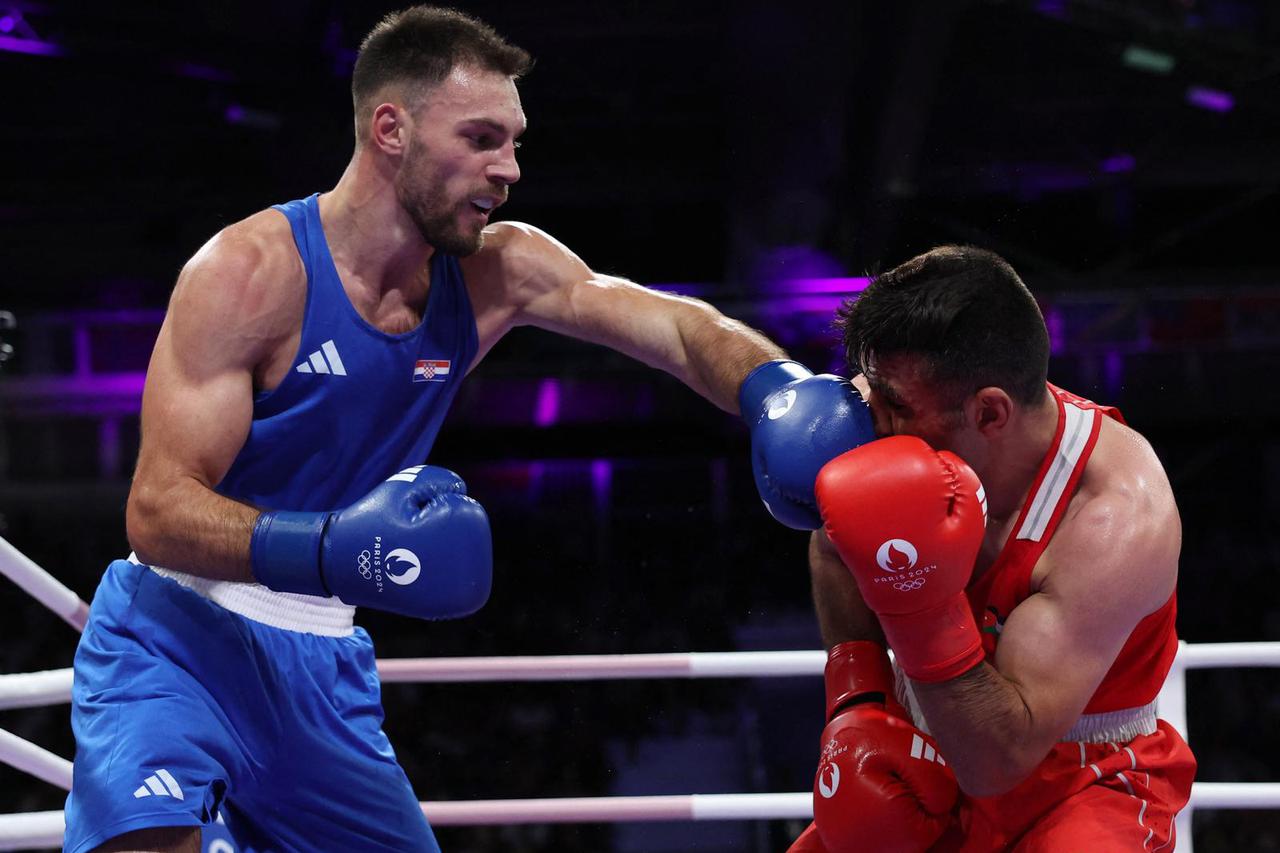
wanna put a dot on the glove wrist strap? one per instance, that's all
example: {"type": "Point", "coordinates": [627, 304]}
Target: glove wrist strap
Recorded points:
{"type": "Point", "coordinates": [284, 551]}
{"type": "Point", "coordinates": [859, 671]}
{"type": "Point", "coordinates": [936, 644]}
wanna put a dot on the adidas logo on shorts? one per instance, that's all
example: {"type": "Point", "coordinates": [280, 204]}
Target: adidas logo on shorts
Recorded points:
{"type": "Point", "coordinates": [162, 784]}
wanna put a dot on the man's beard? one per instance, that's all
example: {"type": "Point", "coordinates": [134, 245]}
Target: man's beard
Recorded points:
{"type": "Point", "coordinates": [437, 223]}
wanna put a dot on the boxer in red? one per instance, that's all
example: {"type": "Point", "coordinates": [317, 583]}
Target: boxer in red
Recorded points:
{"type": "Point", "coordinates": [1017, 548]}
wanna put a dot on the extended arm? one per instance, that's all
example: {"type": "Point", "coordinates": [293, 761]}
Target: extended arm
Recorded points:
{"type": "Point", "coordinates": [798, 421]}
{"type": "Point", "coordinates": [530, 278]}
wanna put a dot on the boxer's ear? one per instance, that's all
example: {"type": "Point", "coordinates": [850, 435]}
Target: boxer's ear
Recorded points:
{"type": "Point", "coordinates": [989, 410]}
{"type": "Point", "coordinates": [390, 128]}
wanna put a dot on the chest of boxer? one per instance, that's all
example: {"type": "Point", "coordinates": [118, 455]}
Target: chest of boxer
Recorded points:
{"type": "Point", "coordinates": [357, 403]}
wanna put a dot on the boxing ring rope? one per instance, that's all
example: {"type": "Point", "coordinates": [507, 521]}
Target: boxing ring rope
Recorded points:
{"type": "Point", "coordinates": [44, 829]}
{"type": "Point", "coordinates": [42, 586]}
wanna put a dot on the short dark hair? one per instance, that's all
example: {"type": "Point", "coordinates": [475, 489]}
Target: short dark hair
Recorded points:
{"type": "Point", "coordinates": [420, 46]}
{"type": "Point", "coordinates": [965, 311]}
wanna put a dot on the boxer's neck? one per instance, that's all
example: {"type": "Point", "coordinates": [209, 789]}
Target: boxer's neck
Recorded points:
{"type": "Point", "coordinates": [1016, 457]}
{"type": "Point", "coordinates": [369, 234]}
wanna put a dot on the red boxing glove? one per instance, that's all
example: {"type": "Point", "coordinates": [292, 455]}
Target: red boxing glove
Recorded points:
{"type": "Point", "coordinates": [857, 672]}
{"type": "Point", "coordinates": [880, 784]}
{"type": "Point", "coordinates": [908, 522]}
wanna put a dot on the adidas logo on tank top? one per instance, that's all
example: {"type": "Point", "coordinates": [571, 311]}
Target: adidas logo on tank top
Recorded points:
{"type": "Point", "coordinates": [324, 360]}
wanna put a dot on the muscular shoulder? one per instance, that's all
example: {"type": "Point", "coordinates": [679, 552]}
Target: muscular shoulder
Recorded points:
{"type": "Point", "coordinates": [244, 288]}
{"type": "Point", "coordinates": [1124, 469]}
{"type": "Point", "coordinates": [1122, 528]}
{"type": "Point", "coordinates": [251, 265]}
{"type": "Point", "coordinates": [520, 262]}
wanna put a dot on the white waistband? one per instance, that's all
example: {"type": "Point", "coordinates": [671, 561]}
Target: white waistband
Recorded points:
{"type": "Point", "coordinates": [1114, 726]}
{"type": "Point", "coordinates": [309, 614]}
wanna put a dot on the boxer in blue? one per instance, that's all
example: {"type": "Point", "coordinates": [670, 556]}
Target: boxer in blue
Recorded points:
{"type": "Point", "coordinates": [307, 359]}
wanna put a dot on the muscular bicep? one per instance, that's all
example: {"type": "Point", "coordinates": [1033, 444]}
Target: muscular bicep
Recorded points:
{"type": "Point", "coordinates": [564, 295]}
{"type": "Point", "coordinates": [197, 405]}
{"type": "Point", "coordinates": [524, 276]}
{"type": "Point", "coordinates": [1109, 567]}
{"type": "Point", "coordinates": [227, 313]}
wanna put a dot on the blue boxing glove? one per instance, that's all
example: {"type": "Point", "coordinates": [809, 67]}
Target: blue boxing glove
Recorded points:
{"type": "Point", "coordinates": [799, 422]}
{"type": "Point", "coordinates": [415, 545]}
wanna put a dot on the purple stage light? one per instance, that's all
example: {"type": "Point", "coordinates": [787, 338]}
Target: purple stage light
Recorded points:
{"type": "Point", "coordinates": [1118, 164]}
{"type": "Point", "coordinates": [238, 114]}
{"type": "Point", "coordinates": [34, 47]}
{"type": "Point", "coordinates": [601, 483]}
{"type": "Point", "coordinates": [808, 286]}
{"type": "Point", "coordinates": [97, 394]}
{"type": "Point", "coordinates": [547, 409]}
{"type": "Point", "coordinates": [805, 304]}
{"type": "Point", "coordinates": [1113, 372]}
{"type": "Point", "coordinates": [1057, 330]}
{"type": "Point", "coordinates": [1052, 8]}
{"type": "Point", "coordinates": [1210, 99]}
{"type": "Point", "coordinates": [109, 447]}
{"type": "Point", "coordinates": [7, 23]}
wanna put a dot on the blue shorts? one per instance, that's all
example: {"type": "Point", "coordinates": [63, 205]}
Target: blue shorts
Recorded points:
{"type": "Point", "coordinates": [183, 710]}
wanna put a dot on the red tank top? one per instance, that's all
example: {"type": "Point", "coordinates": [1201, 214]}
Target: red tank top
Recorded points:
{"type": "Point", "coordinates": [1139, 670]}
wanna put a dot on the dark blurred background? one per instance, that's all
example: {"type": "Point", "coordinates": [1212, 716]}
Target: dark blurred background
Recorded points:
{"type": "Point", "coordinates": [1124, 156]}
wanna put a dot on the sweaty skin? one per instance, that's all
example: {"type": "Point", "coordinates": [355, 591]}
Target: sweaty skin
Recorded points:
{"type": "Point", "coordinates": [1112, 561]}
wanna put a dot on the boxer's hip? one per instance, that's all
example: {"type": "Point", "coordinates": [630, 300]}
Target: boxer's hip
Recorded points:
{"type": "Point", "coordinates": [1148, 776]}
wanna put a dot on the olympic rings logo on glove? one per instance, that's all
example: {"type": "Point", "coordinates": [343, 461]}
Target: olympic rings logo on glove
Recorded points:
{"type": "Point", "coordinates": [364, 565]}
{"type": "Point", "coordinates": [907, 586]}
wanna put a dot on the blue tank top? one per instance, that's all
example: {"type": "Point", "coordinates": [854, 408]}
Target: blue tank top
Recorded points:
{"type": "Point", "coordinates": [358, 404]}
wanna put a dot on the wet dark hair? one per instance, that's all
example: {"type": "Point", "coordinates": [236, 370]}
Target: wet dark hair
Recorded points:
{"type": "Point", "coordinates": [419, 46]}
{"type": "Point", "coordinates": [965, 311]}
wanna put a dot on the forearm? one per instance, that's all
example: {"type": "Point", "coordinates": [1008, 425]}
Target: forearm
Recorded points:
{"type": "Point", "coordinates": [719, 352]}
{"type": "Point", "coordinates": [186, 526]}
{"type": "Point", "coordinates": [984, 728]}
{"type": "Point", "coordinates": [842, 614]}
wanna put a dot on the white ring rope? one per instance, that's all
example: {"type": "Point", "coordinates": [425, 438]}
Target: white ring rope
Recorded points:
{"type": "Point", "coordinates": [26, 690]}
{"type": "Point", "coordinates": [31, 831]}
{"type": "Point", "coordinates": [42, 586]}
{"type": "Point", "coordinates": [619, 809]}
{"type": "Point", "coordinates": [45, 829]}
{"type": "Point", "coordinates": [604, 667]}
{"type": "Point", "coordinates": [36, 760]}
{"type": "Point", "coordinates": [35, 689]}
{"type": "Point", "coordinates": [1239, 795]}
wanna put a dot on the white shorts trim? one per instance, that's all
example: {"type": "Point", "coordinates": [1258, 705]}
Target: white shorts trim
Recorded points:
{"type": "Point", "coordinates": [1114, 726]}
{"type": "Point", "coordinates": [308, 614]}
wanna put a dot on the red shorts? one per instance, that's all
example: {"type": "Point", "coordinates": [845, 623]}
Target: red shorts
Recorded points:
{"type": "Point", "coordinates": [1092, 796]}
